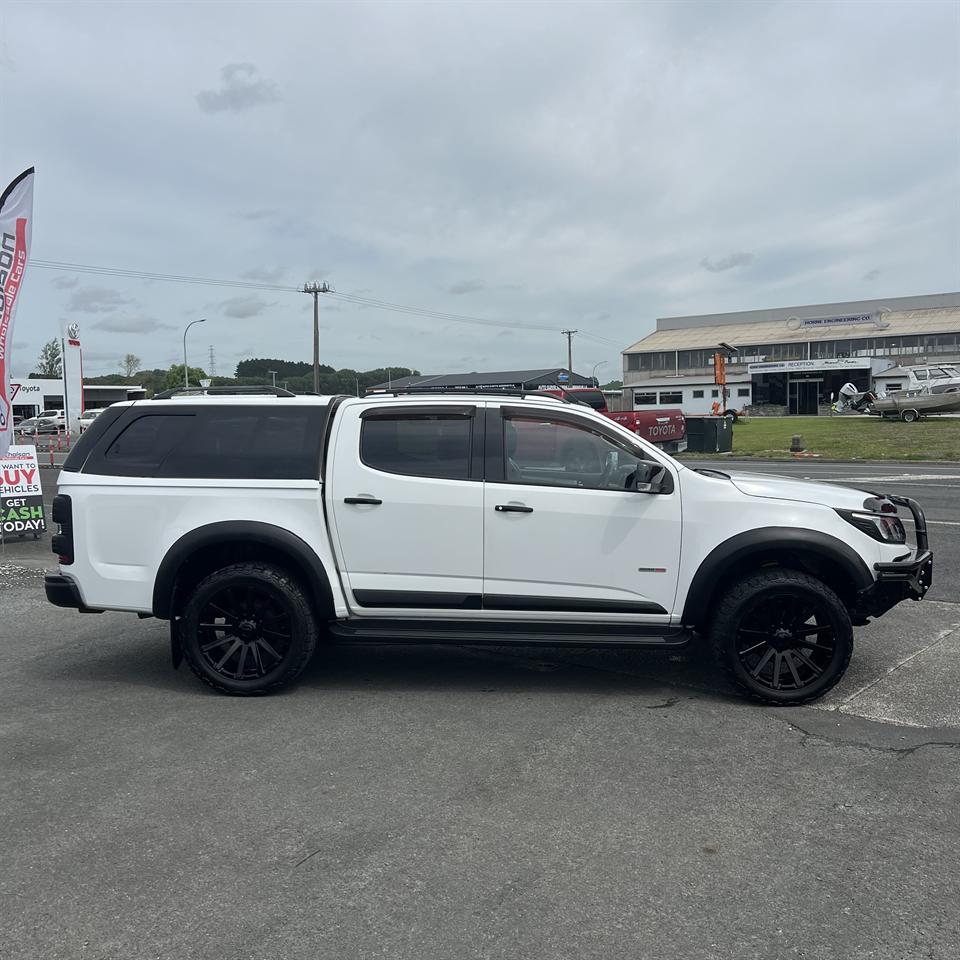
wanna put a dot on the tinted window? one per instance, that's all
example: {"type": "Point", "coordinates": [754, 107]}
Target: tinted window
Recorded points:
{"type": "Point", "coordinates": [697, 394]}
{"type": "Point", "coordinates": [250, 443]}
{"type": "Point", "coordinates": [644, 399]}
{"type": "Point", "coordinates": [422, 446]}
{"type": "Point", "coordinates": [592, 398]}
{"type": "Point", "coordinates": [145, 444]}
{"type": "Point", "coordinates": [743, 392]}
{"type": "Point", "coordinates": [214, 442]}
{"type": "Point", "coordinates": [672, 397]}
{"type": "Point", "coordinates": [559, 454]}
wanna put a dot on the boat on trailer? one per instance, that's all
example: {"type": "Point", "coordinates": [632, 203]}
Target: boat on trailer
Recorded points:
{"type": "Point", "coordinates": [911, 405]}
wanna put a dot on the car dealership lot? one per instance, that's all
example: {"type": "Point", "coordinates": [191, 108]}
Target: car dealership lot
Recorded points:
{"type": "Point", "coordinates": [433, 802]}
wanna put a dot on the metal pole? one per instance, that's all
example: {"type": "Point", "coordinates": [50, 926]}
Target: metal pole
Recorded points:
{"type": "Point", "coordinates": [594, 374]}
{"type": "Point", "coordinates": [186, 369]}
{"type": "Point", "coordinates": [316, 342]}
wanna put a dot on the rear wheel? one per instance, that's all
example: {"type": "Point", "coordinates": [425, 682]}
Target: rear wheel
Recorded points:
{"type": "Point", "coordinates": [248, 629]}
{"type": "Point", "coordinates": [909, 416]}
{"type": "Point", "coordinates": [783, 636]}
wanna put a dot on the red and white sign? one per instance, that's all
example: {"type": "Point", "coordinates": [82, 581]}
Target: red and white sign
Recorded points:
{"type": "Point", "coordinates": [16, 219]}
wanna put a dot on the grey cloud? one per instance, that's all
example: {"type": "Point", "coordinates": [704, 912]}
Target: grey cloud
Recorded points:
{"type": "Point", "coordinates": [243, 307]}
{"type": "Point", "coordinates": [66, 283]}
{"type": "Point", "coordinates": [465, 286]}
{"type": "Point", "coordinates": [128, 324]}
{"type": "Point", "coordinates": [261, 214]}
{"type": "Point", "coordinates": [240, 90]}
{"type": "Point", "coordinates": [96, 300]}
{"type": "Point", "coordinates": [266, 274]}
{"type": "Point", "coordinates": [872, 275]}
{"type": "Point", "coordinates": [726, 263]}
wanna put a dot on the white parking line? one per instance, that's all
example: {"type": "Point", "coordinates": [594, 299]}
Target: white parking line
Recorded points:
{"type": "Point", "coordinates": [892, 478]}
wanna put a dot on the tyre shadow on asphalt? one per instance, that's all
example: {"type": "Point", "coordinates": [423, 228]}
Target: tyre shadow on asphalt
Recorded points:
{"type": "Point", "coordinates": [144, 661]}
{"type": "Point", "coordinates": [513, 668]}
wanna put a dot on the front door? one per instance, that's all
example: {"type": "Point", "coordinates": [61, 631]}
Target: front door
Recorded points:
{"type": "Point", "coordinates": [407, 502]}
{"type": "Point", "coordinates": [803, 397]}
{"type": "Point", "coordinates": [566, 533]}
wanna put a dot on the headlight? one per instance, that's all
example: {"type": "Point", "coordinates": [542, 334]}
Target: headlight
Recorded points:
{"type": "Point", "coordinates": [877, 519]}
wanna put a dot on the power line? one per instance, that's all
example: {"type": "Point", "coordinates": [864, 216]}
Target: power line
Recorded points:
{"type": "Point", "coordinates": [355, 299]}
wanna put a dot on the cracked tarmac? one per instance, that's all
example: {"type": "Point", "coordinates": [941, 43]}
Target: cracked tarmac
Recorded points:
{"type": "Point", "coordinates": [424, 802]}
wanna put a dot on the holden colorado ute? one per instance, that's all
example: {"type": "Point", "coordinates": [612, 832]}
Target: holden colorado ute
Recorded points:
{"type": "Point", "coordinates": [263, 525]}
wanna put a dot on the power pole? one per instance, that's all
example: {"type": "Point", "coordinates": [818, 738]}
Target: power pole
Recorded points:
{"type": "Point", "coordinates": [569, 335]}
{"type": "Point", "coordinates": [212, 366]}
{"type": "Point", "coordinates": [316, 289]}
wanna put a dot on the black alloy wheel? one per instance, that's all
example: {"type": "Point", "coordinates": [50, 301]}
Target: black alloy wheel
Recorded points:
{"type": "Point", "coordinates": [248, 629]}
{"type": "Point", "coordinates": [783, 636]}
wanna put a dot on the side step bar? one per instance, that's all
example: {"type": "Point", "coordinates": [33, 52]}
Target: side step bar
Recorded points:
{"type": "Point", "coordinates": [509, 632]}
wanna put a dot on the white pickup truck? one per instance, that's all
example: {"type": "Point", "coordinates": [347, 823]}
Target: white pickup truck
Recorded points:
{"type": "Point", "coordinates": [262, 525]}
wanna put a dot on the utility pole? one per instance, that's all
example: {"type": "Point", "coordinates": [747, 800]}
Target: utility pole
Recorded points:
{"type": "Point", "coordinates": [316, 289]}
{"type": "Point", "coordinates": [212, 365]}
{"type": "Point", "coordinates": [569, 335]}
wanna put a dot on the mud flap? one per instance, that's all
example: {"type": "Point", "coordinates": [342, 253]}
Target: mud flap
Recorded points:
{"type": "Point", "coordinates": [176, 648]}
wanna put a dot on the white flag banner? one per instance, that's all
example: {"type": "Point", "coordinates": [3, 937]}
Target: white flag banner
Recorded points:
{"type": "Point", "coordinates": [16, 220]}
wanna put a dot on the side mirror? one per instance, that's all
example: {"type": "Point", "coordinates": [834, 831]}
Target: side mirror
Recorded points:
{"type": "Point", "coordinates": [652, 478]}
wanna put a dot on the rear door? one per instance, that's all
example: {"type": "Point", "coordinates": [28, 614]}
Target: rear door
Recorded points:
{"type": "Point", "coordinates": [566, 533]}
{"type": "Point", "coordinates": [406, 499]}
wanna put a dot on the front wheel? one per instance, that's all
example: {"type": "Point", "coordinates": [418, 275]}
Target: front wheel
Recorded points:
{"type": "Point", "coordinates": [782, 636]}
{"type": "Point", "coordinates": [248, 629]}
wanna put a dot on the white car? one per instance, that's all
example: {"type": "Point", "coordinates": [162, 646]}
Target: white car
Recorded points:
{"type": "Point", "coordinates": [88, 417]}
{"type": "Point", "coordinates": [260, 526]}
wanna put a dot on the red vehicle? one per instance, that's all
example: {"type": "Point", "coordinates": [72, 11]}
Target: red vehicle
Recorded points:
{"type": "Point", "coordinates": [666, 427]}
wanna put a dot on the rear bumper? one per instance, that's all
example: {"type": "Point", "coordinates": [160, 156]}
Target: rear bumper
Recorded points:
{"type": "Point", "coordinates": [61, 591]}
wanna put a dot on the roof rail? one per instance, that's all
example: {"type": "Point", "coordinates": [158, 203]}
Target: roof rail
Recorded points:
{"type": "Point", "coordinates": [471, 391]}
{"type": "Point", "coordinates": [265, 390]}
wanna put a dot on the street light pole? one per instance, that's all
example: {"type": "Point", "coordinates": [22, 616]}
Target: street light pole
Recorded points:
{"type": "Point", "coordinates": [273, 374]}
{"type": "Point", "coordinates": [593, 376]}
{"type": "Point", "coordinates": [186, 369]}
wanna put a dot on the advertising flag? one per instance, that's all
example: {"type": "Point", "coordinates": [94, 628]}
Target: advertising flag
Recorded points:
{"type": "Point", "coordinates": [16, 220]}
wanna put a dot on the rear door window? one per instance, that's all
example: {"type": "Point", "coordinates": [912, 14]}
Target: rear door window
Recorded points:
{"type": "Point", "coordinates": [418, 445]}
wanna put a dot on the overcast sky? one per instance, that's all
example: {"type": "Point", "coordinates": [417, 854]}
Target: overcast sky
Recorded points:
{"type": "Point", "coordinates": [549, 165]}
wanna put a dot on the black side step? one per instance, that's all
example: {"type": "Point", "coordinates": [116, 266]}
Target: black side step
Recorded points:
{"type": "Point", "coordinates": [509, 632]}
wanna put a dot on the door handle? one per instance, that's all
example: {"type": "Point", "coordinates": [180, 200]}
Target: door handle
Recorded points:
{"type": "Point", "coordinates": [372, 501]}
{"type": "Point", "coordinates": [512, 508]}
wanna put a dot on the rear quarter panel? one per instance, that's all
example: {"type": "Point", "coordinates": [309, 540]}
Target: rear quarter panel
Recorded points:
{"type": "Point", "coordinates": [124, 526]}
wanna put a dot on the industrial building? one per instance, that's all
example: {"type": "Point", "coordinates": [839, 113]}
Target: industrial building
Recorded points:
{"type": "Point", "coordinates": [789, 360]}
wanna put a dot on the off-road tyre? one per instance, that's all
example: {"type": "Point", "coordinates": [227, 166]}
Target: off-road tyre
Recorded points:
{"type": "Point", "coordinates": [248, 629]}
{"type": "Point", "coordinates": [771, 603]}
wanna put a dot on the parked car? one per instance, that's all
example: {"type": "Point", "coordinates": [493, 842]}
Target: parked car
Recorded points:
{"type": "Point", "coordinates": [266, 525]}
{"type": "Point", "coordinates": [665, 427]}
{"type": "Point", "coordinates": [34, 426]}
{"type": "Point", "coordinates": [89, 416]}
{"type": "Point", "coordinates": [58, 416]}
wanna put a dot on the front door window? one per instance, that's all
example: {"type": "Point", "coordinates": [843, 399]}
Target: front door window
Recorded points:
{"type": "Point", "coordinates": [560, 454]}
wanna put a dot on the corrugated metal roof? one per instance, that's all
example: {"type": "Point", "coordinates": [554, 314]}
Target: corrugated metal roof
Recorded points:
{"type": "Point", "coordinates": [896, 323]}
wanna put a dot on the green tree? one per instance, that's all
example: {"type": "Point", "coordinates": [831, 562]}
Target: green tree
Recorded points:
{"type": "Point", "coordinates": [174, 377]}
{"type": "Point", "coordinates": [49, 362]}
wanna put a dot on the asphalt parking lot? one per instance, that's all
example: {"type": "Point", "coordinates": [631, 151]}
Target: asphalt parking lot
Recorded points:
{"type": "Point", "coordinates": [481, 802]}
